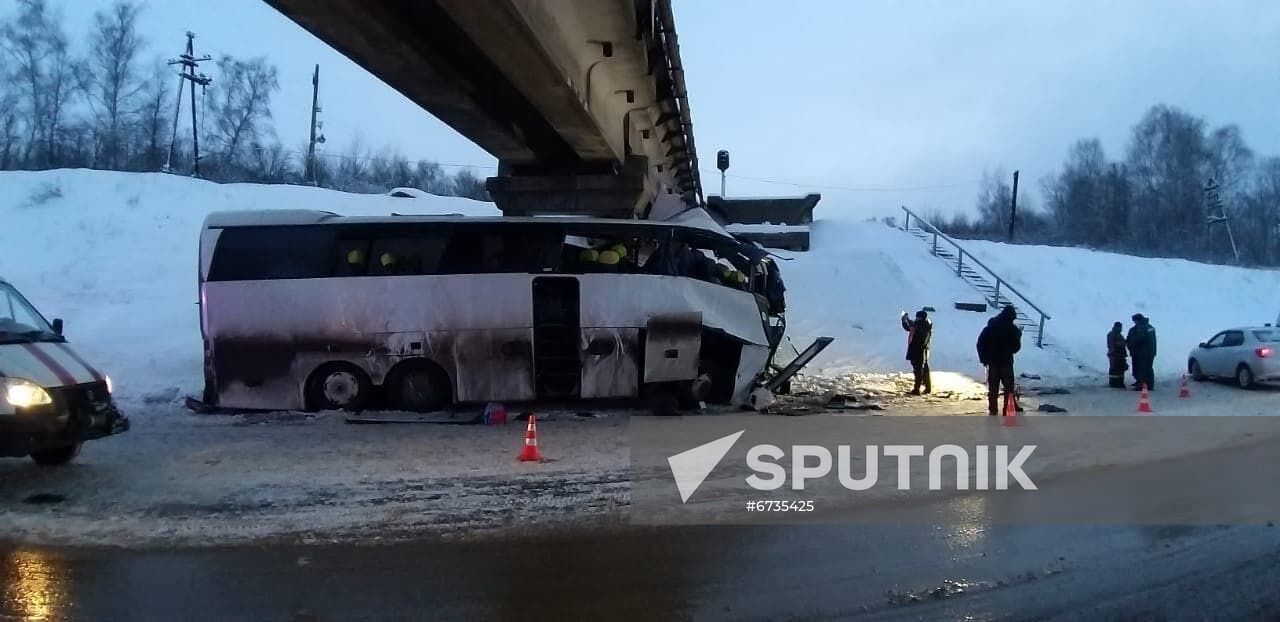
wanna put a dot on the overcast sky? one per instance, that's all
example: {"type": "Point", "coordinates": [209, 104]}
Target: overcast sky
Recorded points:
{"type": "Point", "coordinates": [827, 93]}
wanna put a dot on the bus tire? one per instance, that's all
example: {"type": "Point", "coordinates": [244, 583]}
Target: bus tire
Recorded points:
{"type": "Point", "coordinates": [55, 456]}
{"type": "Point", "coordinates": [338, 386]}
{"type": "Point", "coordinates": [418, 386]}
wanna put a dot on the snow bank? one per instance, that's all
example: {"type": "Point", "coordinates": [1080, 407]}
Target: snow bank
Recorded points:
{"type": "Point", "coordinates": [854, 285]}
{"type": "Point", "coordinates": [1086, 291]}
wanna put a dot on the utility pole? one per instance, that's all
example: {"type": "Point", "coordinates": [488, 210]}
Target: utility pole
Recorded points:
{"type": "Point", "coordinates": [315, 108]}
{"type": "Point", "coordinates": [190, 66]}
{"type": "Point", "coordinates": [1013, 206]}
{"type": "Point", "coordinates": [1216, 213]}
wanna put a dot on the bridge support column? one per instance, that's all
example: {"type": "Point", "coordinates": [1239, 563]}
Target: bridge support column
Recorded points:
{"type": "Point", "coordinates": [622, 194]}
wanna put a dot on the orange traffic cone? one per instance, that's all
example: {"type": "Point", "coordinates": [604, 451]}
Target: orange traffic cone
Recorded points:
{"type": "Point", "coordinates": [1010, 418]}
{"type": "Point", "coordinates": [1184, 391]}
{"type": "Point", "coordinates": [1144, 401]}
{"type": "Point", "coordinates": [531, 453]}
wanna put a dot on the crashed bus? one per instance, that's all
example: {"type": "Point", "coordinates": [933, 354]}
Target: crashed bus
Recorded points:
{"type": "Point", "coordinates": [309, 310]}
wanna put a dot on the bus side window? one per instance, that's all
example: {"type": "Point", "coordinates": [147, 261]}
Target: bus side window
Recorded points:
{"type": "Point", "coordinates": [353, 258]}
{"type": "Point", "coordinates": [416, 255]}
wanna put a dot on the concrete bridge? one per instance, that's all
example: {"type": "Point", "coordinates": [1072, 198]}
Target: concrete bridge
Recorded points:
{"type": "Point", "coordinates": [583, 102]}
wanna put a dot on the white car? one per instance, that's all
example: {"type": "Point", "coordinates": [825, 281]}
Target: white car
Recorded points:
{"type": "Point", "coordinates": [1247, 355]}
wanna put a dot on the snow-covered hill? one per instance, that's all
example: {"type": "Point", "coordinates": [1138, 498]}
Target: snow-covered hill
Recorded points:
{"type": "Point", "coordinates": [114, 254]}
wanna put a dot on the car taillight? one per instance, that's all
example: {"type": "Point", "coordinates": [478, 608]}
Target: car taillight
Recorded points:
{"type": "Point", "coordinates": [1263, 351]}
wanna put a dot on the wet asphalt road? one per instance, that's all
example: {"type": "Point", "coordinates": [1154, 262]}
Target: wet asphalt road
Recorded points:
{"type": "Point", "coordinates": [969, 568]}
{"type": "Point", "coordinates": [772, 572]}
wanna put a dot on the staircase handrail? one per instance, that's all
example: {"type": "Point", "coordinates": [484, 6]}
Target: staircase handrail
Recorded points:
{"type": "Point", "coordinates": [961, 253]}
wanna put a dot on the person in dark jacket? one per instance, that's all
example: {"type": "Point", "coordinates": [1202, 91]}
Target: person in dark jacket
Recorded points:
{"type": "Point", "coordinates": [1142, 349]}
{"type": "Point", "coordinates": [1117, 355]}
{"type": "Point", "coordinates": [919, 334]}
{"type": "Point", "coordinates": [997, 343]}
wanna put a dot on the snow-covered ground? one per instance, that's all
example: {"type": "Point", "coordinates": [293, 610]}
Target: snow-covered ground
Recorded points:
{"type": "Point", "coordinates": [1086, 291]}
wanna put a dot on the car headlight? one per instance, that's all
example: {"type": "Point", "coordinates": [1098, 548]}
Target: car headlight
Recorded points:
{"type": "Point", "coordinates": [24, 393]}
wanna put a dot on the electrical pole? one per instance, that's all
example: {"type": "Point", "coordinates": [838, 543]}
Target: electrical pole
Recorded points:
{"type": "Point", "coordinates": [315, 107]}
{"type": "Point", "coordinates": [1013, 206]}
{"type": "Point", "coordinates": [190, 66]}
{"type": "Point", "coordinates": [1216, 213]}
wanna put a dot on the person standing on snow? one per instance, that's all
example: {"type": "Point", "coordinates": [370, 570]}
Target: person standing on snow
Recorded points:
{"type": "Point", "coordinates": [1117, 355]}
{"type": "Point", "coordinates": [919, 334]}
{"type": "Point", "coordinates": [997, 343]}
{"type": "Point", "coordinates": [1142, 348]}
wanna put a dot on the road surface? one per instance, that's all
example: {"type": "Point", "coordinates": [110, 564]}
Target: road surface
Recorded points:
{"type": "Point", "coordinates": [968, 568]}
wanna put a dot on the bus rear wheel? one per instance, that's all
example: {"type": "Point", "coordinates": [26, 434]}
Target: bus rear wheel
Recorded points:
{"type": "Point", "coordinates": [417, 387]}
{"type": "Point", "coordinates": [338, 386]}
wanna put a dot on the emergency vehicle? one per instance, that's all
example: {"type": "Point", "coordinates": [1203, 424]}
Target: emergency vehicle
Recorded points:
{"type": "Point", "coordinates": [51, 399]}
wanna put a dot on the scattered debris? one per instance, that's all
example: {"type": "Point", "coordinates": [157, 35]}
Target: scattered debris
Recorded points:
{"type": "Point", "coordinates": [761, 399]}
{"type": "Point", "coordinates": [1049, 391]}
{"type": "Point", "coordinates": [1030, 376]}
{"type": "Point", "coordinates": [404, 417]}
{"type": "Point", "coordinates": [1051, 408]}
{"type": "Point", "coordinates": [44, 498]}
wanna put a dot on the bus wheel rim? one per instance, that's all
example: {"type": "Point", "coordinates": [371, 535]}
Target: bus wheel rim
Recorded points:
{"type": "Point", "coordinates": [341, 388]}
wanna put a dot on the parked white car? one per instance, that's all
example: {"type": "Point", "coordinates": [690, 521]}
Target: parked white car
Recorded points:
{"type": "Point", "coordinates": [1247, 355]}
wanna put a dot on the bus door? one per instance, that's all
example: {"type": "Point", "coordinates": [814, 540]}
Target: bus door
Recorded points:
{"type": "Point", "coordinates": [557, 363]}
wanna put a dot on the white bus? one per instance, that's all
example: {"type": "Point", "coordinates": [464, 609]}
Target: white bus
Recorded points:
{"type": "Point", "coordinates": [311, 310]}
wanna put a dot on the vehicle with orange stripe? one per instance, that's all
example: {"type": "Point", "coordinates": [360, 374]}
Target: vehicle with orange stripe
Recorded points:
{"type": "Point", "coordinates": [51, 400]}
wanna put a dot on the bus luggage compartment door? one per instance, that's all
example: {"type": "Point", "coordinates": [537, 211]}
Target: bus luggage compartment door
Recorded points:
{"type": "Point", "coordinates": [557, 363]}
{"type": "Point", "coordinates": [671, 346]}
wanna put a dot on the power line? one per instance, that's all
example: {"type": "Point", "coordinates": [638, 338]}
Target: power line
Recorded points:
{"type": "Point", "coordinates": [958, 184]}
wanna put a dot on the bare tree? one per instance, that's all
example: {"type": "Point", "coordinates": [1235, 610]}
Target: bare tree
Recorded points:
{"type": "Point", "coordinates": [41, 72]}
{"type": "Point", "coordinates": [429, 177]}
{"type": "Point", "coordinates": [1167, 163]}
{"type": "Point", "coordinates": [240, 110]}
{"type": "Point", "coordinates": [154, 115]}
{"type": "Point", "coordinates": [467, 184]}
{"type": "Point", "coordinates": [1076, 197]}
{"type": "Point", "coordinates": [112, 81]}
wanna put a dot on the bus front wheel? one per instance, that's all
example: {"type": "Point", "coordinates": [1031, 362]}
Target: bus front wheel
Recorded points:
{"type": "Point", "coordinates": [338, 386]}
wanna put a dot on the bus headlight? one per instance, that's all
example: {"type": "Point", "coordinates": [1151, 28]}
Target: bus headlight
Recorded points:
{"type": "Point", "coordinates": [24, 393]}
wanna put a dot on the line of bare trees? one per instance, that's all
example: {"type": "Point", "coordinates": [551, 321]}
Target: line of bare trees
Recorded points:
{"type": "Point", "coordinates": [111, 106]}
{"type": "Point", "coordinates": [1150, 202]}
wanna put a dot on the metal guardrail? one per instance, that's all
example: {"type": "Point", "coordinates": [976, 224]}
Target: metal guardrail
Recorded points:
{"type": "Point", "coordinates": [960, 255]}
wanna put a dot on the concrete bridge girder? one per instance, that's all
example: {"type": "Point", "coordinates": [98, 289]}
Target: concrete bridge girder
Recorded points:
{"type": "Point", "coordinates": [552, 88]}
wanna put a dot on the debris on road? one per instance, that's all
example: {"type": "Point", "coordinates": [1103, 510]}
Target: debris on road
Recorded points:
{"type": "Point", "coordinates": [453, 417]}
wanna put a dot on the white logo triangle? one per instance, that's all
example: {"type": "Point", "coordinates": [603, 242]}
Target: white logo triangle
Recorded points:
{"type": "Point", "coordinates": [690, 468]}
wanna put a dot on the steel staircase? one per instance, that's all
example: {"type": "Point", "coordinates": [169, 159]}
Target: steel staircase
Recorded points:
{"type": "Point", "coordinates": [995, 290]}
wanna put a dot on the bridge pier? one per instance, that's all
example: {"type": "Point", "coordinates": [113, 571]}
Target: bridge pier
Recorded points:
{"type": "Point", "coordinates": [624, 193]}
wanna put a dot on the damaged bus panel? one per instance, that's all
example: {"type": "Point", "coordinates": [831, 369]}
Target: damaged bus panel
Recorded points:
{"type": "Point", "coordinates": [311, 310]}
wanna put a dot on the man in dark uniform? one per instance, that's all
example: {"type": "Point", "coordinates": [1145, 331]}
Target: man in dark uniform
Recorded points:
{"type": "Point", "coordinates": [1142, 348]}
{"type": "Point", "coordinates": [1117, 355]}
{"type": "Point", "coordinates": [997, 343]}
{"type": "Point", "coordinates": [919, 334]}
